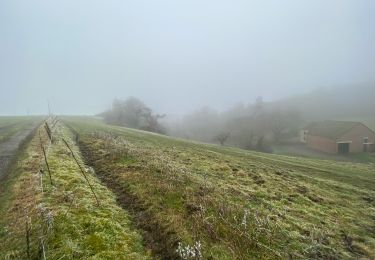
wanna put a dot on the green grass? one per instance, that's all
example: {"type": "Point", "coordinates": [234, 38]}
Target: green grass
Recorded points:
{"type": "Point", "coordinates": [81, 228]}
{"type": "Point", "coordinates": [18, 198]}
{"type": "Point", "coordinates": [8, 120]}
{"type": "Point", "coordinates": [236, 203]}
{"type": "Point", "coordinates": [9, 125]}
{"type": "Point", "coordinates": [160, 195]}
{"type": "Point", "coordinates": [64, 215]}
{"type": "Point", "coordinates": [301, 150]}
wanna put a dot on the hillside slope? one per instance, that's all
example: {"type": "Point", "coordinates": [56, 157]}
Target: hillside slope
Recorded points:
{"type": "Point", "coordinates": [13, 132]}
{"type": "Point", "coordinates": [198, 200]}
{"type": "Point", "coordinates": [352, 102]}
{"type": "Point", "coordinates": [53, 207]}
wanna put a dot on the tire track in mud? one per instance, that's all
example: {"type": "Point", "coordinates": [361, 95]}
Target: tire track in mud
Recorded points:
{"type": "Point", "coordinates": [9, 148]}
{"type": "Point", "coordinates": [161, 240]}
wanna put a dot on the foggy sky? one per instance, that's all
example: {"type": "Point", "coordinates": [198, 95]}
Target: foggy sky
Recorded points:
{"type": "Point", "coordinates": [178, 55]}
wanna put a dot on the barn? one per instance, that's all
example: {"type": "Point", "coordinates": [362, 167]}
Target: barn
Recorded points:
{"type": "Point", "coordinates": [338, 137]}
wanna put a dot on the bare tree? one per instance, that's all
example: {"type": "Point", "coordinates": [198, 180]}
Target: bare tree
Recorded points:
{"type": "Point", "coordinates": [133, 113]}
{"type": "Point", "coordinates": [283, 124]}
{"type": "Point", "coordinates": [222, 137]}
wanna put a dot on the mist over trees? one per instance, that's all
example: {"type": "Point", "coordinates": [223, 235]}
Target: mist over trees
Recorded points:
{"type": "Point", "coordinates": [254, 126]}
{"type": "Point", "coordinates": [259, 125]}
{"type": "Point", "coordinates": [344, 102]}
{"type": "Point", "coordinates": [133, 113]}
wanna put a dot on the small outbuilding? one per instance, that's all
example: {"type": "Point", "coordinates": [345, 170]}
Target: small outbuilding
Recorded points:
{"type": "Point", "coordinates": [341, 137]}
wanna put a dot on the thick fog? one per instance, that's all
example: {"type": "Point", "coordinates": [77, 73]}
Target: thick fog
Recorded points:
{"type": "Point", "coordinates": [178, 56]}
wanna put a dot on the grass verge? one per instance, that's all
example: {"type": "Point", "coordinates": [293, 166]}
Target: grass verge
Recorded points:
{"type": "Point", "coordinates": [225, 203]}
{"type": "Point", "coordinates": [63, 221]}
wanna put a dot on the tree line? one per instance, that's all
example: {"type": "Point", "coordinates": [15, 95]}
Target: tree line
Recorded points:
{"type": "Point", "coordinates": [254, 126]}
{"type": "Point", "coordinates": [133, 113]}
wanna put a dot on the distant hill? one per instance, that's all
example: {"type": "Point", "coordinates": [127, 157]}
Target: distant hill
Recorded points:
{"type": "Point", "coordinates": [352, 102]}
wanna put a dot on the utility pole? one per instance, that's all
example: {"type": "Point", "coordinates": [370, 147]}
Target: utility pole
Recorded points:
{"type": "Point", "coordinates": [49, 109]}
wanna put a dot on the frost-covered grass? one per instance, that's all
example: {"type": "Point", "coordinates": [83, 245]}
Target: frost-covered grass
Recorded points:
{"type": "Point", "coordinates": [10, 120]}
{"type": "Point", "coordinates": [64, 218]}
{"type": "Point", "coordinates": [19, 196]}
{"type": "Point", "coordinates": [236, 203]}
{"type": "Point", "coordinates": [11, 124]}
{"type": "Point", "coordinates": [82, 229]}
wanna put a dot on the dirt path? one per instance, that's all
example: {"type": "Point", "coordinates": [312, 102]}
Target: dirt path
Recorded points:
{"type": "Point", "coordinates": [9, 148]}
{"type": "Point", "coordinates": [158, 237]}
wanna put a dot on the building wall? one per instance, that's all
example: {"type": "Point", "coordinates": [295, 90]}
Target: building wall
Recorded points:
{"type": "Point", "coordinates": [321, 144]}
{"type": "Point", "coordinates": [303, 136]}
{"type": "Point", "coordinates": [356, 135]}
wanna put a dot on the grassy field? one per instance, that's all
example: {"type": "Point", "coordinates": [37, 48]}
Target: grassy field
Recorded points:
{"type": "Point", "coordinates": [117, 193]}
{"type": "Point", "coordinates": [61, 215]}
{"type": "Point", "coordinates": [9, 120]}
{"type": "Point", "coordinates": [189, 199]}
{"type": "Point", "coordinates": [301, 150]}
{"type": "Point", "coordinates": [13, 132]}
{"type": "Point", "coordinates": [12, 124]}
